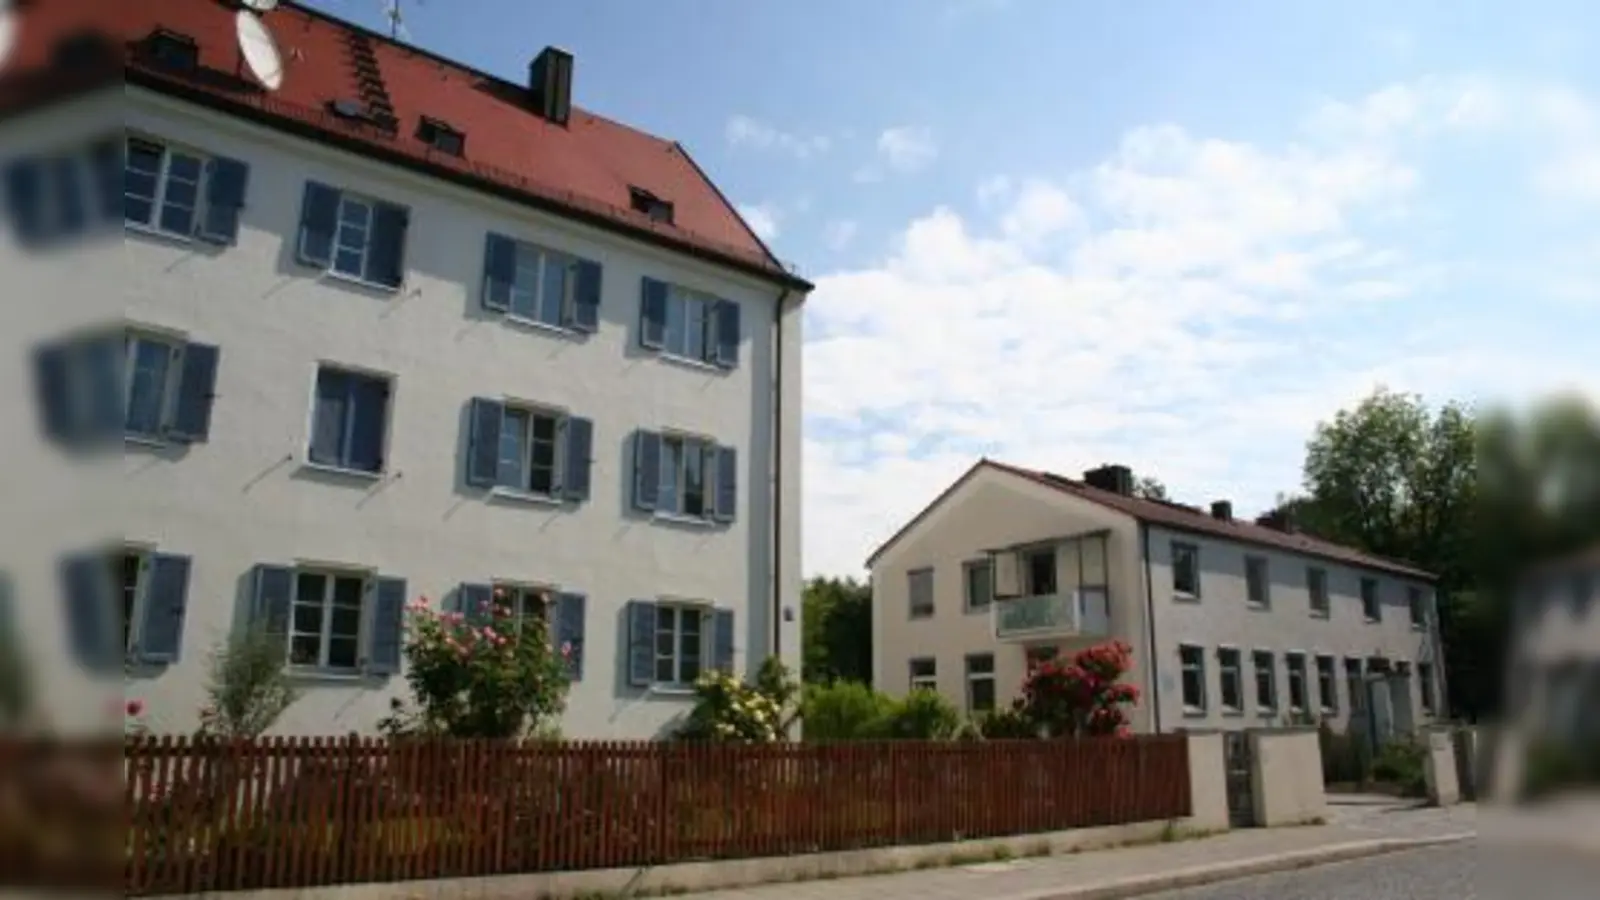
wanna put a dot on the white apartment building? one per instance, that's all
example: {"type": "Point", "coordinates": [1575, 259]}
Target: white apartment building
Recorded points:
{"type": "Point", "coordinates": [393, 328]}
{"type": "Point", "coordinates": [1233, 624]}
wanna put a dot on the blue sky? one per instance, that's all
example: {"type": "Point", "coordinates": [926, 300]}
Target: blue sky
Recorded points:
{"type": "Point", "coordinates": [1061, 233]}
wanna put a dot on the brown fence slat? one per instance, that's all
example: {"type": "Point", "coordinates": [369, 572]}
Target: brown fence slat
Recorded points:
{"type": "Point", "coordinates": [292, 812]}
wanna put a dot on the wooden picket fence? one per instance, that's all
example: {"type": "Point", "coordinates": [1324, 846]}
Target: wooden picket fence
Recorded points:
{"type": "Point", "coordinates": [296, 812]}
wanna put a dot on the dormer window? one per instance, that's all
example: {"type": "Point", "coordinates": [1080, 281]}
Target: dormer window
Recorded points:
{"type": "Point", "coordinates": [657, 209]}
{"type": "Point", "coordinates": [172, 50]}
{"type": "Point", "coordinates": [441, 136]}
{"type": "Point", "coordinates": [346, 108]}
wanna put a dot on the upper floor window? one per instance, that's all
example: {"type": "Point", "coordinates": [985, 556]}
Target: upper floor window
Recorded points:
{"type": "Point", "coordinates": [1371, 607]}
{"type": "Point", "coordinates": [1297, 681]}
{"type": "Point", "coordinates": [536, 284]}
{"type": "Point", "coordinates": [63, 194]}
{"type": "Point", "coordinates": [441, 136]}
{"type": "Point", "coordinates": [1328, 684]}
{"type": "Point", "coordinates": [1230, 668]}
{"type": "Point", "coordinates": [1317, 587]}
{"type": "Point", "coordinates": [528, 449]}
{"type": "Point", "coordinates": [1416, 602]}
{"type": "Point", "coordinates": [979, 578]}
{"type": "Point", "coordinates": [141, 384]}
{"type": "Point", "coordinates": [182, 192]}
{"type": "Point", "coordinates": [1039, 569]}
{"type": "Point", "coordinates": [124, 604]}
{"type": "Point", "coordinates": [352, 235]}
{"type": "Point", "coordinates": [349, 420]}
{"type": "Point", "coordinates": [1192, 663]}
{"type": "Point", "coordinates": [684, 476]}
{"type": "Point", "coordinates": [342, 620]}
{"type": "Point", "coordinates": [1186, 570]}
{"type": "Point", "coordinates": [919, 589]}
{"type": "Point", "coordinates": [1257, 587]}
{"type": "Point", "coordinates": [643, 201]}
{"type": "Point", "coordinates": [1266, 681]}
{"type": "Point", "coordinates": [671, 642]}
{"type": "Point", "coordinates": [689, 325]}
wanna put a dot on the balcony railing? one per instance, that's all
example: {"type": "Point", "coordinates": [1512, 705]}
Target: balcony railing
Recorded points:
{"type": "Point", "coordinates": [1081, 613]}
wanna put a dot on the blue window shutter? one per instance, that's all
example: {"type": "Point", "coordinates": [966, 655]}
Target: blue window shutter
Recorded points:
{"type": "Point", "coordinates": [197, 383]}
{"type": "Point", "coordinates": [272, 589]}
{"type": "Point", "coordinates": [327, 418]}
{"type": "Point", "coordinates": [483, 442]}
{"type": "Point", "coordinates": [369, 402]}
{"type": "Point", "coordinates": [726, 353]}
{"type": "Point", "coordinates": [722, 640]}
{"type": "Point", "coordinates": [72, 215]}
{"type": "Point", "coordinates": [25, 199]}
{"type": "Point", "coordinates": [386, 255]}
{"type": "Point", "coordinates": [166, 600]}
{"type": "Point", "coordinates": [473, 601]}
{"type": "Point", "coordinates": [103, 365]}
{"type": "Point", "coordinates": [91, 612]}
{"type": "Point", "coordinates": [109, 166]}
{"type": "Point", "coordinates": [653, 313]}
{"type": "Point", "coordinates": [586, 295]}
{"type": "Point", "coordinates": [646, 469]}
{"type": "Point", "coordinates": [226, 183]}
{"type": "Point", "coordinates": [641, 643]}
{"type": "Point", "coordinates": [571, 609]}
{"type": "Point", "coordinates": [319, 218]}
{"type": "Point", "coordinates": [385, 647]}
{"type": "Point", "coordinates": [499, 271]}
{"type": "Point", "coordinates": [578, 452]}
{"type": "Point", "coordinates": [53, 391]}
{"type": "Point", "coordinates": [727, 489]}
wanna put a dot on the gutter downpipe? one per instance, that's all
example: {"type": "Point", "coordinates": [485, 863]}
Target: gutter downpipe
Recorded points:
{"type": "Point", "coordinates": [1150, 629]}
{"type": "Point", "coordinates": [777, 470]}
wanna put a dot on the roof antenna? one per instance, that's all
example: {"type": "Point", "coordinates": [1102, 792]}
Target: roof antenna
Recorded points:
{"type": "Point", "coordinates": [397, 20]}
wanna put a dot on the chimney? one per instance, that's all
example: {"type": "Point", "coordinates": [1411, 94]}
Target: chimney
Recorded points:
{"type": "Point", "coordinates": [550, 83]}
{"type": "Point", "coordinates": [1278, 520]}
{"type": "Point", "coordinates": [1114, 478]}
{"type": "Point", "coordinates": [1222, 509]}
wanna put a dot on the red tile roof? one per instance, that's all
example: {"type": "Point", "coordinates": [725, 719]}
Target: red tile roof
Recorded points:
{"type": "Point", "coordinates": [585, 169]}
{"type": "Point", "coordinates": [1179, 518]}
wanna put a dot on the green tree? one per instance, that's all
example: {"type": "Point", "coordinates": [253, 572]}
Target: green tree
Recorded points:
{"type": "Point", "coordinates": [247, 690]}
{"type": "Point", "coordinates": [1150, 488]}
{"type": "Point", "coordinates": [837, 637]}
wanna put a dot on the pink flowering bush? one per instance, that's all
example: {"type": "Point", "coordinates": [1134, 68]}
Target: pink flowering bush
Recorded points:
{"type": "Point", "coordinates": [1083, 697]}
{"type": "Point", "coordinates": [479, 676]}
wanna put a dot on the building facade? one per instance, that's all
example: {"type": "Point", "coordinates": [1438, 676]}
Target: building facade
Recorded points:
{"type": "Point", "coordinates": [357, 363]}
{"type": "Point", "coordinates": [1233, 624]}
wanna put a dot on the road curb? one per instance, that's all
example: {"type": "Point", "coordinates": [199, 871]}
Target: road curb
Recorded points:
{"type": "Point", "coordinates": [1199, 876]}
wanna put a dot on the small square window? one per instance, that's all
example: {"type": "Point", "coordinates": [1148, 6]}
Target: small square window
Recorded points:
{"type": "Point", "coordinates": [1186, 571]}
{"type": "Point", "coordinates": [924, 674]}
{"type": "Point", "coordinates": [349, 420]}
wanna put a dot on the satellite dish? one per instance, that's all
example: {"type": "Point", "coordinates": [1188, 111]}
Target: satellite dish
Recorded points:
{"type": "Point", "coordinates": [261, 6]}
{"type": "Point", "coordinates": [259, 49]}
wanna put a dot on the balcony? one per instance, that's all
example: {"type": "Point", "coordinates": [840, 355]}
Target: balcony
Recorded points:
{"type": "Point", "coordinates": [1081, 613]}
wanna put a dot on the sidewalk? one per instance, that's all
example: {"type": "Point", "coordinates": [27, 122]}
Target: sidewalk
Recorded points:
{"type": "Point", "coordinates": [1568, 823]}
{"type": "Point", "coordinates": [1128, 872]}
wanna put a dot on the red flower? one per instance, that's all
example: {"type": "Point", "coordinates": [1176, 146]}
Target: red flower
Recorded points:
{"type": "Point", "coordinates": [134, 708]}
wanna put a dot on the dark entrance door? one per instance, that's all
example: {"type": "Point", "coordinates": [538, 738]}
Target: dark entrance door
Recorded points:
{"type": "Point", "coordinates": [1237, 764]}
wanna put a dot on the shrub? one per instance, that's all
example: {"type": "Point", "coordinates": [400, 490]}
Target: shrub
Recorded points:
{"type": "Point", "coordinates": [478, 677]}
{"type": "Point", "coordinates": [845, 711]}
{"type": "Point", "coordinates": [1084, 696]}
{"type": "Point", "coordinates": [1008, 724]}
{"type": "Point", "coordinates": [1400, 762]}
{"type": "Point", "coordinates": [728, 709]}
{"type": "Point", "coordinates": [247, 690]}
{"type": "Point", "coordinates": [923, 715]}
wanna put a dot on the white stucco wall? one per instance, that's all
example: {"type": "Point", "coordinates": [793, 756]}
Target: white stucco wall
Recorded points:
{"type": "Point", "coordinates": [245, 496]}
{"type": "Point", "coordinates": [1222, 617]}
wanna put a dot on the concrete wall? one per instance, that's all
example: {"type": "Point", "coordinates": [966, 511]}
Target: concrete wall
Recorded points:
{"type": "Point", "coordinates": [1221, 616]}
{"type": "Point", "coordinates": [1439, 767]}
{"type": "Point", "coordinates": [1287, 778]}
{"type": "Point", "coordinates": [992, 509]}
{"type": "Point", "coordinates": [1208, 787]}
{"type": "Point", "coordinates": [246, 496]}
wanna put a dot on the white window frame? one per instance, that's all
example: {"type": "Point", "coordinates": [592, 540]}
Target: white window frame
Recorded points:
{"type": "Point", "coordinates": [680, 474]}
{"type": "Point", "coordinates": [1193, 551]}
{"type": "Point", "coordinates": [676, 656]}
{"type": "Point", "coordinates": [174, 346]}
{"type": "Point", "coordinates": [1320, 601]}
{"type": "Point", "coordinates": [558, 464]}
{"type": "Point", "coordinates": [1271, 670]}
{"type": "Point", "coordinates": [1197, 666]}
{"type": "Point", "coordinates": [513, 596]}
{"type": "Point", "coordinates": [533, 259]}
{"type": "Point", "coordinates": [163, 177]}
{"type": "Point", "coordinates": [349, 423]}
{"type": "Point", "coordinates": [1294, 663]}
{"type": "Point", "coordinates": [1375, 614]}
{"type": "Point", "coordinates": [1224, 654]}
{"type": "Point", "coordinates": [349, 199]}
{"type": "Point", "coordinates": [929, 681]}
{"type": "Point", "coordinates": [690, 301]}
{"type": "Point", "coordinates": [131, 607]}
{"type": "Point", "coordinates": [914, 611]}
{"type": "Point", "coordinates": [973, 678]}
{"type": "Point", "coordinates": [1328, 687]}
{"type": "Point", "coordinates": [331, 576]}
{"type": "Point", "coordinates": [971, 569]}
{"type": "Point", "coordinates": [1252, 563]}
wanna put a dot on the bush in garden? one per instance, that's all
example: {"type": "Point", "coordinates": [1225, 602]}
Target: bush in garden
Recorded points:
{"type": "Point", "coordinates": [1008, 724]}
{"type": "Point", "coordinates": [1083, 697]}
{"type": "Point", "coordinates": [845, 711]}
{"type": "Point", "coordinates": [728, 709]}
{"type": "Point", "coordinates": [247, 690]}
{"type": "Point", "coordinates": [923, 715]}
{"type": "Point", "coordinates": [483, 676]}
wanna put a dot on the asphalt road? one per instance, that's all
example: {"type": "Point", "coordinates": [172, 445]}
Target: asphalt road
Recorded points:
{"type": "Point", "coordinates": [1459, 872]}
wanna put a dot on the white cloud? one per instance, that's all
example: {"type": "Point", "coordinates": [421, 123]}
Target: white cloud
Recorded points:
{"type": "Point", "coordinates": [762, 219]}
{"type": "Point", "coordinates": [743, 131]}
{"type": "Point", "coordinates": [907, 149]}
{"type": "Point", "coordinates": [1190, 306]}
{"type": "Point", "coordinates": [840, 233]}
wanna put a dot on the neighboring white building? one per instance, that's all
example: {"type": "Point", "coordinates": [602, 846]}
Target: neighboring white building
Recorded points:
{"type": "Point", "coordinates": [1233, 624]}
{"type": "Point", "coordinates": [396, 329]}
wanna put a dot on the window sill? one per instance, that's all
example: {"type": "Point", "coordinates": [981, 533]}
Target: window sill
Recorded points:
{"type": "Point", "coordinates": [1193, 712]}
{"type": "Point", "coordinates": [512, 495]}
{"type": "Point", "coordinates": [1231, 713]}
{"type": "Point", "coordinates": [976, 610]}
{"type": "Point", "coordinates": [686, 362]}
{"type": "Point", "coordinates": [525, 323]}
{"type": "Point", "coordinates": [672, 690]}
{"type": "Point", "coordinates": [329, 676]}
{"type": "Point", "coordinates": [171, 237]}
{"type": "Point", "coordinates": [920, 616]}
{"type": "Point", "coordinates": [331, 275]}
{"type": "Point", "coordinates": [1267, 712]}
{"type": "Point", "coordinates": [148, 441]}
{"type": "Point", "coordinates": [353, 474]}
{"type": "Point", "coordinates": [680, 519]}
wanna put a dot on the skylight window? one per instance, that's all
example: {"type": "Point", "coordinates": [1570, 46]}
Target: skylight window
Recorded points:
{"type": "Point", "coordinates": [441, 136]}
{"type": "Point", "coordinates": [172, 50]}
{"type": "Point", "coordinates": [657, 209]}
